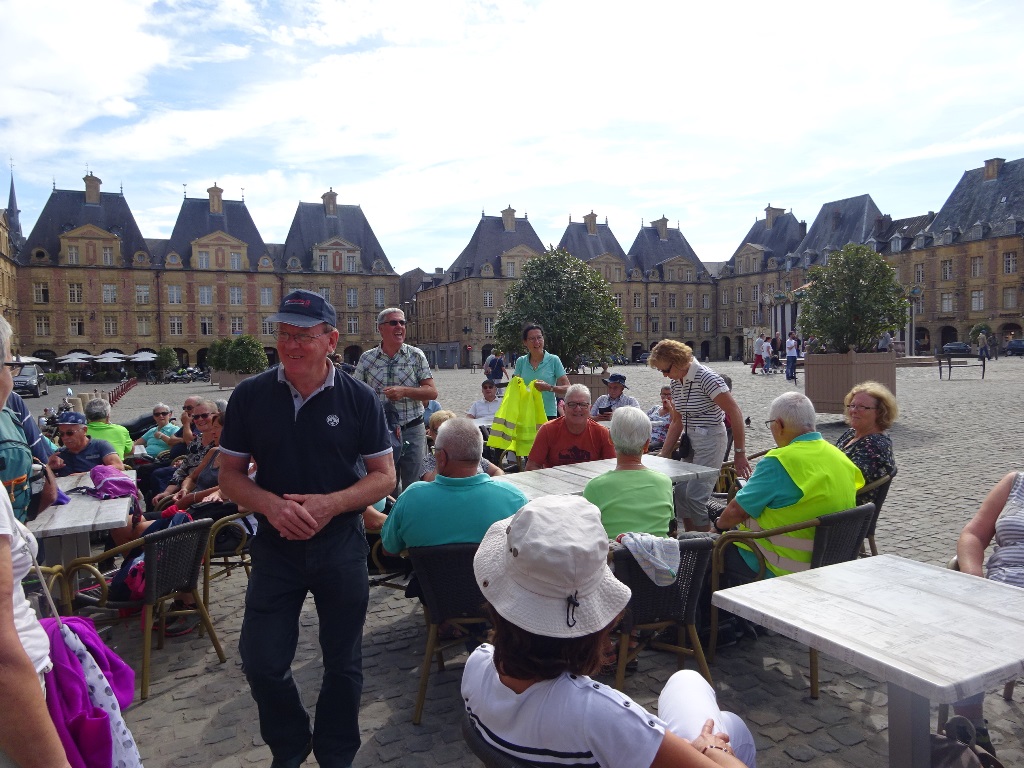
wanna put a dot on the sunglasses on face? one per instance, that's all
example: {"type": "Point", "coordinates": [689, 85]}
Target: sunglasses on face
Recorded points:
{"type": "Point", "coordinates": [201, 415]}
{"type": "Point", "coordinates": [393, 323]}
{"type": "Point", "coordinates": [67, 432]}
{"type": "Point", "coordinates": [188, 408]}
{"type": "Point", "coordinates": [161, 413]}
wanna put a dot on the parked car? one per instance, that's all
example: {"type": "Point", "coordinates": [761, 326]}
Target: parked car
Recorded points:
{"type": "Point", "coordinates": [956, 347]}
{"type": "Point", "coordinates": [1015, 347]}
{"type": "Point", "coordinates": [30, 380]}
{"type": "Point", "coordinates": [644, 357]}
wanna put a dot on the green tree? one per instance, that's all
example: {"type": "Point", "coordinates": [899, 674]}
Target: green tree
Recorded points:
{"type": "Point", "coordinates": [166, 360]}
{"type": "Point", "coordinates": [852, 301]}
{"type": "Point", "coordinates": [571, 301]}
{"type": "Point", "coordinates": [217, 355]}
{"type": "Point", "coordinates": [246, 355]}
{"type": "Point", "coordinates": [979, 329]}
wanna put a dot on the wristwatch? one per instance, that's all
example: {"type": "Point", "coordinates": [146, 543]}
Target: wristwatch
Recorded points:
{"type": "Point", "coordinates": [714, 523]}
{"type": "Point", "coordinates": [739, 450]}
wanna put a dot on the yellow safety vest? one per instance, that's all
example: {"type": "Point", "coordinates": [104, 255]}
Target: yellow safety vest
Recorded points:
{"type": "Point", "coordinates": [519, 416]}
{"type": "Point", "coordinates": [829, 483]}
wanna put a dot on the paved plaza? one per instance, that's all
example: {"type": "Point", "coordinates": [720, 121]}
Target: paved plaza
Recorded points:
{"type": "Point", "coordinates": [953, 441]}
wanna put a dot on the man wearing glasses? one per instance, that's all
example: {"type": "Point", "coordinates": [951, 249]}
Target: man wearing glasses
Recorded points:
{"type": "Point", "coordinates": [806, 476]}
{"type": "Point", "coordinates": [401, 377]}
{"type": "Point", "coordinates": [573, 438]}
{"type": "Point", "coordinates": [321, 447]}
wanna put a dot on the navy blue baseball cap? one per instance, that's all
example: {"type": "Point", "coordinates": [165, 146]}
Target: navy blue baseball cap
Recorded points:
{"type": "Point", "coordinates": [305, 309]}
{"type": "Point", "coordinates": [72, 417]}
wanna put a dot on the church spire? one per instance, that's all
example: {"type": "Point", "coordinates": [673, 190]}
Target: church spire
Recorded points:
{"type": "Point", "coordinates": [13, 220]}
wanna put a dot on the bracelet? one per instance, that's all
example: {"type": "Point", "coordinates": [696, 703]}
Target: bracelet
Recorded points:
{"type": "Point", "coordinates": [739, 450]}
{"type": "Point", "coordinates": [714, 746]}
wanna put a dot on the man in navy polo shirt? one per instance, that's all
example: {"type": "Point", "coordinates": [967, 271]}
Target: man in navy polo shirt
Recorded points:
{"type": "Point", "coordinates": [322, 451]}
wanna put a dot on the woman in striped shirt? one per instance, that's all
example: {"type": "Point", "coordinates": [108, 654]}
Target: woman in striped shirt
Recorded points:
{"type": "Point", "coordinates": [701, 401]}
{"type": "Point", "coordinates": [1000, 519]}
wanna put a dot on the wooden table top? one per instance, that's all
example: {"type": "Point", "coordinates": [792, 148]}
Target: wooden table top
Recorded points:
{"type": "Point", "coordinates": [572, 478]}
{"type": "Point", "coordinates": [84, 513]}
{"type": "Point", "coordinates": [941, 634]}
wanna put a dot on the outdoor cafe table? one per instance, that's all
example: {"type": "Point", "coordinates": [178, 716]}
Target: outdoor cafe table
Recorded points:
{"type": "Point", "coordinates": [66, 527]}
{"type": "Point", "coordinates": [931, 633]}
{"type": "Point", "coordinates": [573, 478]}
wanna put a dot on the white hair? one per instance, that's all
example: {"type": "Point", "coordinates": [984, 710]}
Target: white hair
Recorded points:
{"type": "Point", "coordinates": [795, 409]}
{"type": "Point", "coordinates": [461, 439]}
{"type": "Point", "coordinates": [630, 430]}
{"type": "Point", "coordinates": [576, 388]}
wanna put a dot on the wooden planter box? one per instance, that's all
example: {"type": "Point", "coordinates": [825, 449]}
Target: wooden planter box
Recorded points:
{"type": "Point", "coordinates": [229, 379]}
{"type": "Point", "coordinates": [828, 377]}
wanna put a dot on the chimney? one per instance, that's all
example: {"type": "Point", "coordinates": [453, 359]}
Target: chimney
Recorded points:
{"type": "Point", "coordinates": [803, 229]}
{"type": "Point", "coordinates": [438, 271]}
{"type": "Point", "coordinates": [882, 223]}
{"type": "Point", "coordinates": [837, 218]}
{"type": "Point", "coordinates": [508, 219]}
{"type": "Point", "coordinates": [330, 199]}
{"type": "Point", "coordinates": [92, 189]}
{"type": "Point", "coordinates": [662, 226]}
{"type": "Point", "coordinates": [216, 201]}
{"type": "Point", "coordinates": [992, 168]}
{"type": "Point", "coordinates": [591, 221]}
{"type": "Point", "coordinates": [771, 214]}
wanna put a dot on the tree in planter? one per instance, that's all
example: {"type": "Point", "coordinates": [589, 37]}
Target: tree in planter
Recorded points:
{"type": "Point", "coordinates": [166, 360]}
{"type": "Point", "coordinates": [979, 329]}
{"type": "Point", "coordinates": [852, 300]}
{"type": "Point", "coordinates": [571, 301]}
{"type": "Point", "coordinates": [246, 355]}
{"type": "Point", "coordinates": [217, 355]}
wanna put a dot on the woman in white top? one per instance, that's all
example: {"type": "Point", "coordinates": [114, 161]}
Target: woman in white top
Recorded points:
{"type": "Point", "coordinates": [553, 602]}
{"type": "Point", "coordinates": [27, 735]}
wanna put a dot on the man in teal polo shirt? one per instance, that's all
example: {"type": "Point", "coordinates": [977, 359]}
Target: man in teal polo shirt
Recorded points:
{"type": "Point", "coordinates": [459, 505]}
{"type": "Point", "coordinates": [803, 478]}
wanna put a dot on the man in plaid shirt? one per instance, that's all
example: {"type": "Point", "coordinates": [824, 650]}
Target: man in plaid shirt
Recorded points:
{"type": "Point", "coordinates": [401, 377]}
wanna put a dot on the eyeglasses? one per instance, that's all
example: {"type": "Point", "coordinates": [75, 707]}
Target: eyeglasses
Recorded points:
{"type": "Point", "coordinates": [485, 386]}
{"type": "Point", "coordinates": [857, 407]}
{"type": "Point", "coordinates": [201, 415]}
{"type": "Point", "coordinates": [535, 338]}
{"type": "Point", "coordinates": [393, 323]}
{"type": "Point", "coordinates": [67, 432]}
{"type": "Point", "coordinates": [161, 413]}
{"type": "Point", "coordinates": [188, 408]}
{"type": "Point", "coordinates": [666, 371]}
{"type": "Point", "coordinates": [301, 339]}
{"type": "Point", "coordinates": [769, 423]}
{"type": "Point", "coordinates": [577, 405]}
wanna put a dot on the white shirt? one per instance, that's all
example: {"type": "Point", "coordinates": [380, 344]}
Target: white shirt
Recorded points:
{"type": "Point", "coordinates": [482, 408]}
{"type": "Point", "coordinates": [30, 632]}
{"type": "Point", "coordinates": [790, 347]}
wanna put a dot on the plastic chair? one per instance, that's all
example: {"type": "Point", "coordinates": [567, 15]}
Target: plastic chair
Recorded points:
{"type": "Point", "coordinates": [954, 565]}
{"type": "Point", "coordinates": [838, 538]}
{"type": "Point", "coordinates": [174, 557]}
{"type": "Point", "coordinates": [489, 756]}
{"type": "Point", "coordinates": [652, 608]}
{"type": "Point", "coordinates": [449, 594]}
{"type": "Point", "coordinates": [879, 489]}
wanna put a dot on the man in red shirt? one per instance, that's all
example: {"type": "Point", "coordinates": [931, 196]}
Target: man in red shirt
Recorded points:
{"type": "Point", "coordinates": [573, 438]}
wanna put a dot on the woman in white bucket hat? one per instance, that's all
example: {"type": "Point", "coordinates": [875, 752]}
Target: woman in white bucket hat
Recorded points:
{"type": "Point", "coordinates": [553, 603]}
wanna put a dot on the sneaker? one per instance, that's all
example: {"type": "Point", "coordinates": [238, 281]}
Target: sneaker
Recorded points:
{"type": "Point", "coordinates": [296, 761]}
{"type": "Point", "coordinates": [182, 625]}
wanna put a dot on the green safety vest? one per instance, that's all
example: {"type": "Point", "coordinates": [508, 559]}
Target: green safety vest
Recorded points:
{"type": "Point", "coordinates": [829, 483]}
{"type": "Point", "coordinates": [518, 418]}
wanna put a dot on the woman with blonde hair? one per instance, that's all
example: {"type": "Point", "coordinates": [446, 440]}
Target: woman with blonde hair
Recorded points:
{"type": "Point", "coordinates": [429, 469]}
{"type": "Point", "coordinates": [870, 410]}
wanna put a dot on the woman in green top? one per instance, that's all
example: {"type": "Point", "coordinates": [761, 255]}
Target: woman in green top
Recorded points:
{"type": "Point", "coordinates": [544, 368]}
{"type": "Point", "coordinates": [631, 501]}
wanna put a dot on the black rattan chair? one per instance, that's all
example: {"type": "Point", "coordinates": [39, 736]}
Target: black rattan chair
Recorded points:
{"type": "Point", "coordinates": [174, 558]}
{"type": "Point", "coordinates": [449, 594]}
{"type": "Point", "coordinates": [653, 609]}
{"type": "Point", "coordinates": [489, 756]}
{"type": "Point", "coordinates": [875, 493]}
{"type": "Point", "coordinates": [227, 554]}
{"type": "Point", "coordinates": [838, 538]}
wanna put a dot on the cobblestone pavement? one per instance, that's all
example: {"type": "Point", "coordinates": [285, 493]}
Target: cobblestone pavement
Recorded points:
{"type": "Point", "coordinates": [954, 440]}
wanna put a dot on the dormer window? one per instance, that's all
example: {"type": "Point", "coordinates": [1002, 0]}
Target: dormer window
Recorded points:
{"type": "Point", "coordinates": [378, 267]}
{"type": "Point", "coordinates": [773, 263]}
{"type": "Point", "coordinates": [896, 244]}
{"type": "Point", "coordinates": [293, 263]}
{"type": "Point", "coordinates": [487, 271]}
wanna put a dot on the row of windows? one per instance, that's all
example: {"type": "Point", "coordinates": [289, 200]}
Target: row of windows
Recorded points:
{"type": "Point", "coordinates": [947, 301]}
{"type": "Point", "coordinates": [106, 257]}
{"type": "Point", "coordinates": [175, 325]}
{"type": "Point", "coordinates": [41, 295]}
{"type": "Point", "coordinates": [947, 272]}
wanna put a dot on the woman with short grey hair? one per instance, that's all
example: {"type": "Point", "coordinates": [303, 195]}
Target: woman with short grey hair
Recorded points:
{"type": "Point", "coordinates": [631, 497]}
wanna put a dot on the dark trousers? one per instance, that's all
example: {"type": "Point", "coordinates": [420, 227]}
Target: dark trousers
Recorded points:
{"type": "Point", "coordinates": [332, 566]}
{"type": "Point", "coordinates": [790, 367]}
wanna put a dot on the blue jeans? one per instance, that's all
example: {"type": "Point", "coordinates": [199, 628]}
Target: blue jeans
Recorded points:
{"type": "Point", "coordinates": [790, 366]}
{"type": "Point", "coordinates": [414, 448]}
{"type": "Point", "coordinates": [331, 565]}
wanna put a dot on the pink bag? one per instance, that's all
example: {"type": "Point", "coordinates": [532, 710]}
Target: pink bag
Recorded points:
{"type": "Point", "coordinates": [111, 483]}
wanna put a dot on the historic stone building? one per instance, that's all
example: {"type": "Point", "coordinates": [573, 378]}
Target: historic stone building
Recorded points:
{"type": "Point", "coordinates": [90, 282]}
{"type": "Point", "coordinates": [10, 242]}
{"type": "Point", "coordinates": [455, 310]}
{"type": "Point", "coordinates": [964, 267]}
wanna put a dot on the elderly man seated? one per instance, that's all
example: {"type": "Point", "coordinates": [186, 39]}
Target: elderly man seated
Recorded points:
{"type": "Point", "coordinates": [631, 497]}
{"type": "Point", "coordinates": [573, 438]}
{"type": "Point", "coordinates": [616, 398]}
{"type": "Point", "coordinates": [803, 478]}
{"type": "Point", "coordinates": [81, 452]}
{"type": "Point", "coordinates": [97, 411]}
{"type": "Point", "coordinates": [488, 405]}
{"type": "Point", "coordinates": [460, 505]}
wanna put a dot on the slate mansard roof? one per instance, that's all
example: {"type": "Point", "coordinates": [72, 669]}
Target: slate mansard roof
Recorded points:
{"type": "Point", "coordinates": [311, 226]}
{"type": "Point", "coordinates": [996, 203]}
{"type": "Point", "coordinates": [66, 210]}
{"type": "Point", "coordinates": [781, 239]}
{"type": "Point", "coordinates": [578, 241]}
{"type": "Point", "coordinates": [840, 222]}
{"type": "Point", "coordinates": [649, 251]}
{"type": "Point", "coordinates": [195, 221]}
{"type": "Point", "coordinates": [490, 240]}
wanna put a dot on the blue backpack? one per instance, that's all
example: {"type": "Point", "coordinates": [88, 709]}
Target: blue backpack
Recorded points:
{"type": "Point", "coordinates": [15, 463]}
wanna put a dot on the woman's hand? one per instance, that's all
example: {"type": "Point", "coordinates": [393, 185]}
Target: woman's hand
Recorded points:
{"type": "Point", "coordinates": [741, 465]}
{"type": "Point", "coordinates": [709, 741]}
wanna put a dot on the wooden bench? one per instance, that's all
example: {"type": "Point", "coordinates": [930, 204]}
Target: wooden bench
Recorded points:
{"type": "Point", "coordinates": [946, 358]}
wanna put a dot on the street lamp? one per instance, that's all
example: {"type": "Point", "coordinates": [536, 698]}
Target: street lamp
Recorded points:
{"type": "Point", "coordinates": [467, 330]}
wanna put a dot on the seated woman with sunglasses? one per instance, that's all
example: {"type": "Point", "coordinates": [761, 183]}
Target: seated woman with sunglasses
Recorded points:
{"type": "Point", "coordinates": [202, 412]}
{"type": "Point", "coordinates": [157, 439]}
{"type": "Point", "coordinates": [553, 602]}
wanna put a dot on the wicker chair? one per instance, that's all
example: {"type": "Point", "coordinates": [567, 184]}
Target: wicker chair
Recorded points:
{"type": "Point", "coordinates": [954, 565]}
{"type": "Point", "coordinates": [881, 490]}
{"type": "Point", "coordinates": [652, 608]}
{"type": "Point", "coordinates": [489, 756]}
{"type": "Point", "coordinates": [450, 594]}
{"type": "Point", "coordinates": [174, 558]}
{"type": "Point", "coordinates": [220, 560]}
{"type": "Point", "coordinates": [837, 539]}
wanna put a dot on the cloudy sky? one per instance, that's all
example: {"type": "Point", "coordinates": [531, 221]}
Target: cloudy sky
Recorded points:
{"type": "Point", "coordinates": [427, 113]}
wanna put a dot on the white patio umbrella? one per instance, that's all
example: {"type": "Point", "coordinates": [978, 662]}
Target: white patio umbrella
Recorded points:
{"type": "Point", "coordinates": [143, 357]}
{"type": "Point", "coordinates": [108, 359]}
{"type": "Point", "coordinates": [75, 357]}
{"type": "Point", "coordinates": [29, 359]}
